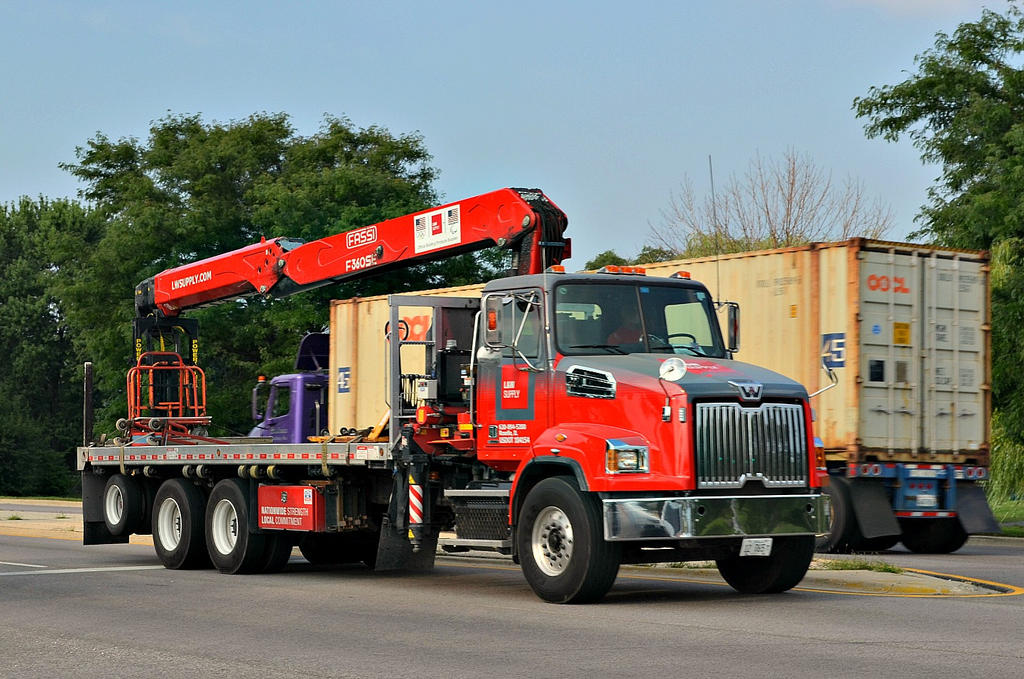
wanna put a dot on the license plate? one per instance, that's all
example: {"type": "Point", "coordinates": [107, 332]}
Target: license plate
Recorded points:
{"type": "Point", "coordinates": [927, 501]}
{"type": "Point", "coordinates": [756, 547]}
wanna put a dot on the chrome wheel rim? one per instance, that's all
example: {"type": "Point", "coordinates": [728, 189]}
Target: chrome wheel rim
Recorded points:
{"type": "Point", "coordinates": [168, 523]}
{"type": "Point", "coordinates": [552, 541]}
{"type": "Point", "coordinates": [224, 527]}
{"type": "Point", "coordinates": [113, 505]}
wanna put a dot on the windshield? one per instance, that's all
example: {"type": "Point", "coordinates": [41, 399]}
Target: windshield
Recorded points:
{"type": "Point", "coordinates": [617, 318]}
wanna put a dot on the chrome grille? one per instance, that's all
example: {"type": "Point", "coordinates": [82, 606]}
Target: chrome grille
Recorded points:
{"type": "Point", "coordinates": [736, 444]}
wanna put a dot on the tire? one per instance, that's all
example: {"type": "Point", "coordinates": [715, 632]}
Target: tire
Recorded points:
{"type": "Point", "coordinates": [879, 544]}
{"type": "Point", "coordinates": [562, 550]}
{"type": "Point", "coordinates": [179, 514]}
{"type": "Point", "coordinates": [124, 505]}
{"type": "Point", "coordinates": [319, 549]}
{"type": "Point", "coordinates": [232, 548]}
{"type": "Point", "coordinates": [844, 536]}
{"type": "Point", "coordinates": [335, 549]}
{"type": "Point", "coordinates": [276, 553]}
{"type": "Point", "coordinates": [782, 570]}
{"type": "Point", "coordinates": [933, 536]}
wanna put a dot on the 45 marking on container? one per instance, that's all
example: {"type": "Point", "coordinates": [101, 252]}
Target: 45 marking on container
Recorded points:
{"type": "Point", "coordinates": [833, 349]}
{"type": "Point", "coordinates": [344, 380]}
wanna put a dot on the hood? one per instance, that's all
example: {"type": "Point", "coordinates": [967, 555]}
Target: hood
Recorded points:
{"type": "Point", "coordinates": [705, 377]}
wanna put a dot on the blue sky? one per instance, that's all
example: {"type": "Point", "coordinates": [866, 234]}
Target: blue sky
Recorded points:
{"type": "Point", "coordinates": [606, 106]}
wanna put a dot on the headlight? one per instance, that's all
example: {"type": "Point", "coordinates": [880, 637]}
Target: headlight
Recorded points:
{"type": "Point", "coordinates": [623, 457]}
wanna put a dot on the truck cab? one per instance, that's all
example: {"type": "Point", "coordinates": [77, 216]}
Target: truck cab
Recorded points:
{"type": "Point", "coordinates": [294, 407]}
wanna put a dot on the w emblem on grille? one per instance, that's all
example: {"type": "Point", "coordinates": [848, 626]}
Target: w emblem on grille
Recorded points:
{"type": "Point", "coordinates": [749, 391]}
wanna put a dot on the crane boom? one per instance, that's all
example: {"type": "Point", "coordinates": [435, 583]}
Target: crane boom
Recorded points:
{"type": "Point", "coordinates": [521, 219]}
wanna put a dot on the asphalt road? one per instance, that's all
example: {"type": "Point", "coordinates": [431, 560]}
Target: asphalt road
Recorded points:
{"type": "Point", "coordinates": [73, 611]}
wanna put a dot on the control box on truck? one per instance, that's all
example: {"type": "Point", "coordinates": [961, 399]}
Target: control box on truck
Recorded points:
{"type": "Point", "coordinates": [574, 421]}
{"type": "Point", "coordinates": [906, 328]}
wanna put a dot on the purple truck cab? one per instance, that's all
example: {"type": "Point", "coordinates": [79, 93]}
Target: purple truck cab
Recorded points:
{"type": "Point", "coordinates": [296, 404]}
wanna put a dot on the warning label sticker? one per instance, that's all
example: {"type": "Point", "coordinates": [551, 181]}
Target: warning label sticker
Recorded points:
{"type": "Point", "coordinates": [438, 229]}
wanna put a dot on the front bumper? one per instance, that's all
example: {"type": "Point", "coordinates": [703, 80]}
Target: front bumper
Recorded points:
{"type": "Point", "coordinates": [676, 518]}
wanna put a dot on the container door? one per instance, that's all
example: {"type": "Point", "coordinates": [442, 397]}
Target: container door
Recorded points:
{"type": "Point", "coordinates": [953, 357]}
{"type": "Point", "coordinates": [890, 408]}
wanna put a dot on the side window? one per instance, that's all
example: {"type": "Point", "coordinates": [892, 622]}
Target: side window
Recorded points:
{"type": "Point", "coordinates": [523, 319]}
{"type": "Point", "coordinates": [281, 397]}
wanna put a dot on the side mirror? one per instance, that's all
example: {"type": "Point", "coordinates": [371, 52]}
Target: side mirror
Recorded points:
{"type": "Point", "coordinates": [832, 377]}
{"type": "Point", "coordinates": [492, 321]}
{"type": "Point", "coordinates": [257, 414]}
{"type": "Point", "coordinates": [733, 322]}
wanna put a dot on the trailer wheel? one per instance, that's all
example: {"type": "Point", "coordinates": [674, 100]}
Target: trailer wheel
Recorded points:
{"type": "Point", "coordinates": [179, 513]}
{"type": "Point", "coordinates": [932, 536]}
{"type": "Point", "coordinates": [562, 549]}
{"type": "Point", "coordinates": [233, 549]}
{"type": "Point", "coordinates": [879, 544]}
{"type": "Point", "coordinates": [276, 553]}
{"type": "Point", "coordinates": [124, 505]}
{"type": "Point", "coordinates": [844, 535]}
{"type": "Point", "coordinates": [782, 570]}
{"type": "Point", "coordinates": [334, 549]}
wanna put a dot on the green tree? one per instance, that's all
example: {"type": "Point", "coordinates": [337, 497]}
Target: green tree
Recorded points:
{"type": "Point", "coordinates": [40, 408]}
{"type": "Point", "coordinates": [963, 109]}
{"type": "Point", "coordinates": [195, 189]}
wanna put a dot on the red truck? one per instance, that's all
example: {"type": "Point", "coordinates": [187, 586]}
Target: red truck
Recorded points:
{"type": "Point", "coordinates": [574, 421]}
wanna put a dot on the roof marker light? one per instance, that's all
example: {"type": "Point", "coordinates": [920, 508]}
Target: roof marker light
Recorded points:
{"type": "Point", "coordinates": [681, 274]}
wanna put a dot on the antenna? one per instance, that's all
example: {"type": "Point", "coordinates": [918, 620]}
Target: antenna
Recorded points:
{"type": "Point", "coordinates": [718, 242]}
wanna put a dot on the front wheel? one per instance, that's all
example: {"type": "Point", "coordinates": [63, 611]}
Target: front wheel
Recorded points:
{"type": "Point", "coordinates": [561, 544]}
{"type": "Point", "coordinates": [781, 570]}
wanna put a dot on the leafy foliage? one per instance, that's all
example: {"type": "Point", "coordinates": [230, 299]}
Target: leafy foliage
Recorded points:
{"type": "Point", "coordinates": [963, 110]}
{"type": "Point", "coordinates": [40, 386]}
{"type": "Point", "coordinates": [193, 190]}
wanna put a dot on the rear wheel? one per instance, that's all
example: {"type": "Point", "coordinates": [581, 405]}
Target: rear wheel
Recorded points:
{"type": "Point", "coordinates": [782, 570]}
{"type": "Point", "coordinates": [879, 544]}
{"type": "Point", "coordinates": [232, 548]}
{"type": "Point", "coordinates": [844, 533]}
{"type": "Point", "coordinates": [334, 549]}
{"type": "Point", "coordinates": [276, 553]}
{"type": "Point", "coordinates": [124, 505]}
{"type": "Point", "coordinates": [179, 513]}
{"type": "Point", "coordinates": [933, 536]}
{"type": "Point", "coordinates": [561, 544]}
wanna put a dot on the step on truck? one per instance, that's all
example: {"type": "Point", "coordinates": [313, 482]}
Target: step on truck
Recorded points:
{"type": "Point", "coordinates": [573, 421]}
{"type": "Point", "coordinates": [906, 328]}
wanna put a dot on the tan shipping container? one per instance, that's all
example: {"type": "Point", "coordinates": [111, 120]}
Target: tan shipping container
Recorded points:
{"type": "Point", "coordinates": [904, 326]}
{"type": "Point", "coordinates": [359, 354]}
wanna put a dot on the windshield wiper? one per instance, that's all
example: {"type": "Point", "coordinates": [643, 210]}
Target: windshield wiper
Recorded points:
{"type": "Point", "coordinates": [613, 348]}
{"type": "Point", "coordinates": [696, 350]}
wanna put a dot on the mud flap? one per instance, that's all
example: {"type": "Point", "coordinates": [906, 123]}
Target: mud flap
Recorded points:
{"type": "Point", "coordinates": [973, 510]}
{"type": "Point", "coordinates": [395, 552]}
{"type": "Point", "coordinates": [873, 510]}
{"type": "Point", "coordinates": [407, 542]}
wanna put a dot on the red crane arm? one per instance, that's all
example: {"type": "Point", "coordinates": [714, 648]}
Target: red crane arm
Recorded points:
{"type": "Point", "coordinates": [514, 218]}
